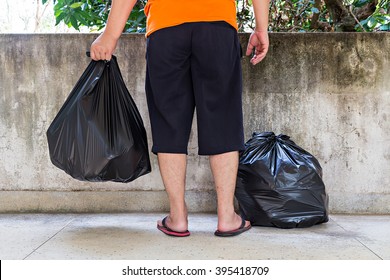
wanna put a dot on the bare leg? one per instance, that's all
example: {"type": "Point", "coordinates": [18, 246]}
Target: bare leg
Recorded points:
{"type": "Point", "coordinates": [173, 173]}
{"type": "Point", "coordinates": [224, 168]}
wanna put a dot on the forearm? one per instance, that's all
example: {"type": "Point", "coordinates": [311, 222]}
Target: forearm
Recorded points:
{"type": "Point", "coordinates": [261, 10]}
{"type": "Point", "coordinates": [120, 11]}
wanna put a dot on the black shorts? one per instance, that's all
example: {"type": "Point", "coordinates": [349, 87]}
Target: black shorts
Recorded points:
{"type": "Point", "coordinates": [195, 65]}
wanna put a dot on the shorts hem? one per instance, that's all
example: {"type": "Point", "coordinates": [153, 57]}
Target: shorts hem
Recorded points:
{"type": "Point", "coordinates": [221, 151]}
{"type": "Point", "coordinates": [156, 150]}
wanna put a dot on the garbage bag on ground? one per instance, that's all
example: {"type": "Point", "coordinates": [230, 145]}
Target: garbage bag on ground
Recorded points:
{"type": "Point", "coordinates": [98, 134]}
{"type": "Point", "coordinates": [280, 184]}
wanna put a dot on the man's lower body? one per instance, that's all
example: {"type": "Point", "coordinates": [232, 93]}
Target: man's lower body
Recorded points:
{"type": "Point", "coordinates": [196, 65]}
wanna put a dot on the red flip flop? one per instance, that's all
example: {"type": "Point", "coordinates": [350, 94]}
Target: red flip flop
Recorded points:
{"type": "Point", "coordinates": [165, 229]}
{"type": "Point", "coordinates": [235, 232]}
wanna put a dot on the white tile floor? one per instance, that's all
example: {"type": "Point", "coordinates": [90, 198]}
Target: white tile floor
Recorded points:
{"type": "Point", "coordinates": [134, 236]}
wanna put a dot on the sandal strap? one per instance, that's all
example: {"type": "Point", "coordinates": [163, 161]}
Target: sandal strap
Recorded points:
{"type": "Point", "coordinates": [242, 223]}
{"type": "Point", "coordinates": [164, 223]}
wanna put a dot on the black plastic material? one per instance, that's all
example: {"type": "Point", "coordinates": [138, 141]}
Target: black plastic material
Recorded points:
{"type": "Point", "coordinates": [280, 184]}
{"type": "Point", "coordinates": [98, 134]}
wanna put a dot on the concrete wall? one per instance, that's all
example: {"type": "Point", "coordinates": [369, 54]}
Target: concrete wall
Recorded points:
{"type": "Point", "coordinates": [329, 92]}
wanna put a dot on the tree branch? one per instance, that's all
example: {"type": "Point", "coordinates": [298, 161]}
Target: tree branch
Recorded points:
{"type": "Point", "coordinates": [314, 24]}
{"type": "Point", "coordinates": [357, 21]}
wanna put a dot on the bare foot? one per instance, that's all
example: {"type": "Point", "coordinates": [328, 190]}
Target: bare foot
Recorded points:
{"type": "Point", "coordinates": [231, 224]}
{"type": "Point", "coordinates": [179, 225]}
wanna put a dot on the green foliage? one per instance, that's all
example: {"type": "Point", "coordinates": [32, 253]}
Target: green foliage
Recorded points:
{"type": "Point", "coordinates": [285, 15]}
{"type": "Point", "coordinates": [76, 13]}
{"type": "Point", "coordinates": [245, 18]}
{"type": "Point", "coordinates": [379, 20]}
{"type": "Point", "coordinates": [295, 15]}
{"type": "Point", "coordinates": [94, 14]}
{"type": "Point", "coordinates": [137, 20]}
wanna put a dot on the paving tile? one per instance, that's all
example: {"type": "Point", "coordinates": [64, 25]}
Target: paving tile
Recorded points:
{"type": "Point", "coordinates": [134, 236]}
{"type": "Point", "coordinates": [21, 234]}
{"type": "Point", "coordinates": [372, 231]}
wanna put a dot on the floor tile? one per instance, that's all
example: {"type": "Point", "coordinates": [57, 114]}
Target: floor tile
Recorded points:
{"type": "Point", "coordinates": [21, 234]}
{"type": "Point", "coordinates": [372, 231]}
{"type": "Point", "coordinates": [134, 236]}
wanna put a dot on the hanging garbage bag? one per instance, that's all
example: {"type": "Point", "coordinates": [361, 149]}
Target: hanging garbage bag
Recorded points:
{"type": "Point", "coordinates": [98, 134]}
{"type": "Point", "coordinates": [280, 184]}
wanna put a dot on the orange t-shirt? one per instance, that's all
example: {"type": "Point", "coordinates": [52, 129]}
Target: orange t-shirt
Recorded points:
{"type": "Point", "coordinates": [166, 13]}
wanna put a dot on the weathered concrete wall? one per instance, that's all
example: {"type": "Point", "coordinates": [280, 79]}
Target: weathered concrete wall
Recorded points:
{"type": "Point", "coordinates": [329, 92]}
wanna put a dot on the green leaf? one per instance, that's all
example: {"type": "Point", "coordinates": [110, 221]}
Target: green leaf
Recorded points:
{"type": "Point", "coordinates": [372, 23]}
{"type": "Point", "coordinates": [360, 3]}
{"type": "Point", "coordinates": [85, 6]}
{"type": "Point", "coordinates": [364, 21]}
{"type": "Point", "coordinates": [81, 20]}
{"type": "Point", "coordinates": [315, 10]}
{"type": "Point", "coordinates": [59, 18]}
{"type": "Point", "coordinates": [74, 23]}
{"type": "Point", "coordinates": [86, 15]}
{"type": "Point", "coordinates": [383, 19]}
{"type": "Point", "coordinates": [76, 5]}
{"type": "Point", "coordinates": [57, 13]}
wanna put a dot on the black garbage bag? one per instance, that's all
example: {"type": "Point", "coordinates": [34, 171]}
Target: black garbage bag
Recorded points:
{"type": "Point", "coordinates": [98, 134]}
{"type": "Point", "coordinates": [280, 184]}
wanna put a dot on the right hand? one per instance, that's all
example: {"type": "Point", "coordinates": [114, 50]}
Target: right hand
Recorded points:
{"type": "Point", "coordinates": [103, 47]}
{"type": "Point", "coordinates": [258, 44]}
